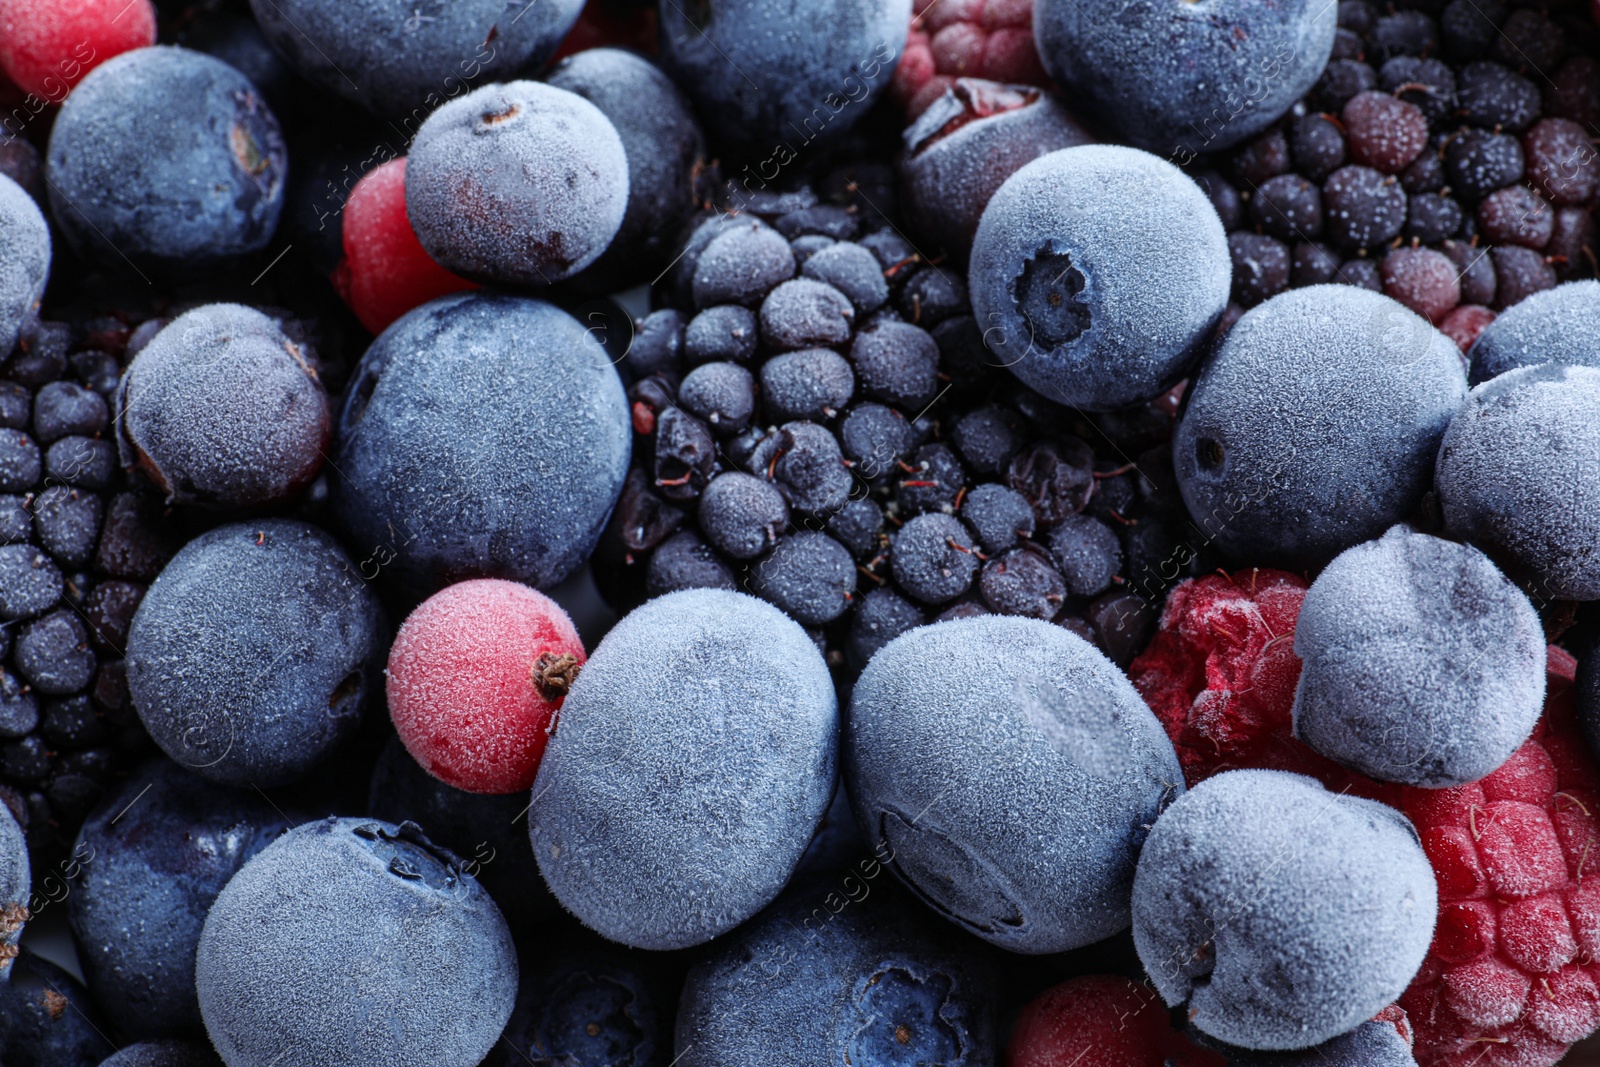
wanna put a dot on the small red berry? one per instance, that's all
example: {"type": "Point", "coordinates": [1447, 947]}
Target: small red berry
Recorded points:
{"type": "Point", "coordinates": [950, 39]}
{"type": "Point", "coordinates": [47, 46]}
{"type": "Point", "coordinates": [476, 676]}
{"type": "Point", "coordinates": [1423, 280]}
{"type": "Point", "coordinates": [385, 272]}
{"type": "Point", "coordinates": [1465, 323]}
{"type": "Point", "coordinates": [1101, 1020]}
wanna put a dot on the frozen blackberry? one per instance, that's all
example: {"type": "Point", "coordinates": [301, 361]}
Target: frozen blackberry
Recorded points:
{"type": "Point", "coordinates": [82, 540]}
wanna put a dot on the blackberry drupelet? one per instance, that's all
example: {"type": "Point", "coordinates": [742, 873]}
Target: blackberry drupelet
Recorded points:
{"type": "Point", "coordinates": [818, 422]}
{"type": "Point", "coordinates": [81, 540]}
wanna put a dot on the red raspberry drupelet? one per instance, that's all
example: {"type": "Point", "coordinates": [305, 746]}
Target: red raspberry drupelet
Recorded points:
{"type": "Point", "coordinates": [952, 39]}
{"type": "Point", "coordinates": [1513, 976]}
{"type": "Point", "coordinates": [476, 676]}
{"type": "Point", "coordinates": [1101, 1020]}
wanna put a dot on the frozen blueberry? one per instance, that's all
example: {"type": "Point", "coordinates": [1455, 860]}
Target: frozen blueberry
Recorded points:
{"type": "Point", "coordinates": [47, 1018]}
{"type": "Point", "coordinates": [1279, 915]}
{"type": "Point", "coordinates": [1423, 664]}
{"type": "Point", "coordinates": [723, 395]}
{"type": "Point", "coordinates": [942, 760]}
{"type": "Point", "coordinates": [404, 955]}
{"type": "Point", "coordinates": [483, 435]}
{"type": "Point", "coordinates": [966, 143]}
{"type": "Point", "coordinates": [403, 61]}
{"type": "Point", "coordinates": [1313, 426]}
{"type": "Point", "coordinates": [222, 409]}
{"type": "Point", "coordinates": [483, 829]}
{"type": "Point", "coordinates": [1516, 475]}
{"type": "Point", "coordinates": [1180, 80]}
{"type": "Point", "coordinates": [694, 758]}
{"type": "Point", "coordinates": [189, 179]}
{"type": "Point", "coordinates": [802, 313]}
{"type": "Point", "coordinates": [162, 845]}
{"type": "Point", "coordinates": [745, 260]}
{"type": "Point", "coordinates": [63, 408]}
{"type": "Point", "coordinates": [897, 363]}
{"type": "Point", "coordinates": [663, 145]}
{"type": "Point", "coordinates": [16, 886]}
{"type": "Point", "coordinates": [1556, 325]}
{"type": "Point", "coordinates": [163, 1054]}
{"type": "Point", "coordinates": [774, 82]}
{"type": "Point", "coordinates": [853, 271]}
{"type": "Point", "coordinates": [520, 182]}
{"type": "Point", "coordinates": [24, 260]}
{"type": "Point", "coordinates": [814, 383]}
{"type": "Point", "coordinates": [932, 557]}
{"type": "Point", "coordinates": [809, 576]}
{"type": "Point", "coordinates": [1375, 1043]}
{"type": "Point", "coordinates": [842, 969]}
{"type": "Point", "coordinates": [583, 1002]}
{"type": "Point", "coordinates": [742, 515]}
{"type": "Point", "coordinates": [726, 332]}
{"type": "Point", "coordinates": [251, 655]}
{"type": "Point", "coordinates": [1077, 279]}
{"type": "Point", "coordinates": [987, 437]}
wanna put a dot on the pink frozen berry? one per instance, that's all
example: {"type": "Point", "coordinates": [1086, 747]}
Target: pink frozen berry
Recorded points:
{"type": "Point", "coordinates": [476, 676]}
{"type": "Point", "coordinates": [950, 39]}
{"type": "Point", "coordinates": [47, 46]}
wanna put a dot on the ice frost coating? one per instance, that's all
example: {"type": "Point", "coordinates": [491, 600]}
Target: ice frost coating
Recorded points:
{"type": "Point", "coordinates": [1279, 914]}
{"type": "Point", "coordinates": [396, 57]}
{"type": "Point", "coordinates": [1008, 771]}
{"type": "Point", "coordinates": [16, 885]}
{"type": "Point", "coordinates": [1560, 325]}
{"type": "Point", "coordinates": [1313, 427]}
{"type": "Point", "coordinates": [352, 942]}
{"type": "Point", "coordinates": [780, 75]}
{"type": "Point", "coordinates": [1518, 476]}
{"type": "Point", "coordinates": [162, 1054]}
{"type": "Point", "coordinates": [253, 650]}
{"type": "Point", "coordinates": [1375, 1043]}
{"type": "Point", "coordinates": [1184, 77]}
{"type": "Point", "coordinates": [691, 763]}
{"type": "Point", "coordinates": [663, 145]}
{"type": "Point", "coordinates": [24, 260]}
{"type": "Point", "coordinates": [1097, 272]}
{"type": "Point", "coordinates": [220, 408]}
{"type": "Point", "coordinates": [484, 435]}
{"type": "Point", "coordinates": [191, 177]}
{"type": "Point", "coordinates": [1423, 664]}
{"type": "Point", "coordinates": [840, 970]}
{"type": "Point", "coordinates": [520, 182]}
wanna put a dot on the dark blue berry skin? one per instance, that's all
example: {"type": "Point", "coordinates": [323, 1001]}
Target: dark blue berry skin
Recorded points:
{"type": "Point", "coordinates": [1375, 1043]}
{"type": "Point", "coordinates": [1557, 324]}
{"type": "Point", "coordinates": [160, 849]}
{"type": "Point", "coordinates": [663, 144]}
{"type": "Point", "coordinates": [482, 436]}
{"type": "Point", "coordinates": [586, 1003]}
{"type": "Point", "coordinates": [776, 76]}
{"type": "Point", "coordinates": [1097, 273]}
{"type": "Point", "coordinates": [810, 576]}
{"type": "Point", "coordinates": [1008, 772]}
{"type": "Point", "coordinates": [840, 970]}
{"type": "Point", "coordinates": [484, 830]}
{"type": "Point", "coordinates": [397, 61]}
{"type": "Point", "coordinates": [1174, 78]}
{"type": "Point", "coordinates": [671, 807]}
{"type": "Point", "coordinates": [37, 1029]}
{"type": "Point", "coordinates": [1314, 425]}
{"type": "Point", "coordinates": [403, 954]}
{"type": "Point", "coordinates": [253, 651]}
{"type": "Point", "coordinates": [164, 1054]}
{"type": "Point", "coordinates": [190, 179]}
{"type": "Point", "coordinates": [24, 260]}
{"type": "Point", "coordinates": [16, 885]}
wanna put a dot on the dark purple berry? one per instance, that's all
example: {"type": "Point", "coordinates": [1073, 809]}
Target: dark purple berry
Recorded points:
{"type": "Point", "coordinates": [1088, 554]}
{"type": "Point", "coordinates": [1312, 263]}
{"type": "Point", "coordinates": [1477, 162]}
{"type": "Point", "coordinates": [897, 363]}
{"type": "Point", "coordinates": [1318, 147]}
{"type": "Point", "coordinates": [1288, 207]}
{"type": "Point", "coordinates": [742, 515]}
{"type": "Point", "coordinates": [1024, 581]}
{"type": "Point", "coordinates": [810, 576]}
{"type": "Point", "coordinates": [725, 333]}
{"type": "Point", "coordinates": [1494, 97]}
{"type": "Point", "coordinates": [1260, 267]}
{"type": "Point", "coordinates": [1362, 208]}
{"type": "Point", "coordinates": [999, 515]}
{"type": "Point", "coordinates": [932, 558]}
{"type": "Point", "coordinates": [722, 395]}
{"type": "Point", "coordinates": [814, 383]}
{"type": "Point", "coordinates": [1430, 218]}
{"type": "Point", "coordinates": [1519, 273]}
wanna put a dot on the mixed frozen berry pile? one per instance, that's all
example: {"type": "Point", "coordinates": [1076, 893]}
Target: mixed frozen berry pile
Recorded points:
{"type": "Point", "coordinates": [726, 533]}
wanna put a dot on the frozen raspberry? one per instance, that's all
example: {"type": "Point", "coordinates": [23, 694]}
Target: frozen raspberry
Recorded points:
{"type": "Point", "coordinates": [629, 24]}
{"type": "Point", "coordinates": [1513, 976]}
{"type": "Point", "coordinates": [476, 675]}
{"type": "Point", "coordinates": [1101, 1020]}
{"type": "Point", "coordinates": [47, 46]}
{"type": "Point", "coordinates": [385, 272]}
{"type": "Point", "coordinates": [952, 39]}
